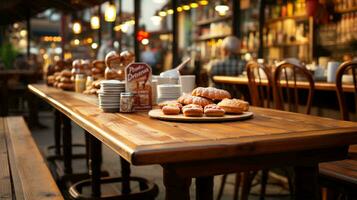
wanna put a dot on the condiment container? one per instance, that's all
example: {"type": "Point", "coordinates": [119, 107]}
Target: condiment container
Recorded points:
{"type": "Point", "coordinates": [89, 81]}
{"type": "Point", "coordinates": [80, 83]}
{"type": "Point", "coordinates": [126, 102]}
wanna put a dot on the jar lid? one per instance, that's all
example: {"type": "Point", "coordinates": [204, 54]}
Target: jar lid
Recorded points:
{"type": "Point", "coordinates": [79, 76]}
{"type": "Point", "coordinates": [127, 94]}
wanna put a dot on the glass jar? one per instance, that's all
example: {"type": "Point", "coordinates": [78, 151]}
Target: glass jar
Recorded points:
{"type": "Point", "coordinates": [89, 81]}
{"type": "Point", "coordinates": [80, 83]}
{"type": "Point", "coordinates": [126, 102]}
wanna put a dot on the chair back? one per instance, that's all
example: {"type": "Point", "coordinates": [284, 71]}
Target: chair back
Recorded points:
{"type": "Point", "coordinates": [260, 84]}
{"type": "Point", "coordinates": [287, 75]}
{"type": "Point", "coordinates": [342, 69]}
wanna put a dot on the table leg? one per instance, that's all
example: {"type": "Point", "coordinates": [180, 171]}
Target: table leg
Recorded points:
{"type": "Point", "coordinates": [57, 132]}
{"type": "Point", "coordinates": [177, 188]}
{"type": "Point", "coordinates": [67, 144]}
{"type": "Point", "coordinates": [204, 188]}
{"type": "Point", "coordinates": [95, 150]}
{"type": "Point", "coordinates": [306, 183]}
{"type": "Point", "coordinates": [125, 173]}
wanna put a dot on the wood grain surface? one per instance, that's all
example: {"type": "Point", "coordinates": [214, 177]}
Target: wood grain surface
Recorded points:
{"type": "Point", "coordinates": [158, 114]}
{"type": "Point", "coordinates": [30, 175]}
{"type": "Point", "coordinates": [5, 177]}
{"type": "Point", "coordinates": [300, 84]}
{"type": "Point", "coordinates": [142, 140]}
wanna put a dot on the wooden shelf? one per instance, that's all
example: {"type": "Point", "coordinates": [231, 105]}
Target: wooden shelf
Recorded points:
{"type": "Point", "coordinates": [296, 18]}
{"type": "Point", "coordinates": [352, 9]}
{"type": "Point", "coordinates": [287, 45]}
{"type": "Point", "coordinates": [209, 21]}
{"type": "Point", "coordinates": [211, 37]}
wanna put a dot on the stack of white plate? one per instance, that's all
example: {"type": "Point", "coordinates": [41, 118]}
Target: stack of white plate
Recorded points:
{"type": "Point", "coordinates": [109, 95]}
{"type": "Point", "coordinates": [168, 92]}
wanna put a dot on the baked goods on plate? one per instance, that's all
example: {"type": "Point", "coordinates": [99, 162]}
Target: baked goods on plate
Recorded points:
{"type": "Point", "coordinates": [171, 110]}
{"type": "Point", "coordinates": [234, 106]}
{"type": "Point", "coordinates": [211, 93]}
{"type": "Point", "coordinates": [170, 102]}
{"type": "Point", "coordinates": [212, 110]}
{"type": "Point", "coordinates": [192, 110]}
{"type": "Point", "coordinates": [189, 99]}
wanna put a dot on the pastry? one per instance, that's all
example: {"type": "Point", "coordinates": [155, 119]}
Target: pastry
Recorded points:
{"type": "Point", "coordinates": [66, 73]}
{"type": "Point", "coordinates": [192, 110]}
{"type": "Point", "coordinates": [189, 99]}
{"type": "Point", "coordinates": [66, 86]}
{"type": "Point", "coordinates": [171, 102]}
{"type": "Point", "coordinates": [99, 64]}
{"type": "Point", "coordinates": [211, 93]}
{"type": "Point", "coordinates": [235, 106]}
{"type": "Point", "coordinates": [212, 110]}
{"type": "Point", "coordinates": [171, 110]}
{"type": "Point", "coordinates": [65, 80]}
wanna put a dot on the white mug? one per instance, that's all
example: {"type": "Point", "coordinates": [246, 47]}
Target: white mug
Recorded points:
{"type": "Point", "coordinates": [331, 71]}
{"type": "Point", "coordinates": [188, 83]}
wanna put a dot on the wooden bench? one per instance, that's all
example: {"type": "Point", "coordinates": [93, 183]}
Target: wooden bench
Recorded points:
{"type": "Point", "coordinates": [23, 171]}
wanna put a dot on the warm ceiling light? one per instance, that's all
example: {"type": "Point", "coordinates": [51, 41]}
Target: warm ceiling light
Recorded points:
{"type": "Point", "coordinates": [186, 7]}
{"type": "Point", "coordinates": [94, 22]}
{"type": "Point", "coordinates": [203, 2]}
{"type": "Point", "coordinates": [94, 45]}
{"type": "Point", "coordinates": [170, 11]}
{"type": "Point", "coordinates": [76, 42]}
{"type": "Point", "coordinates": [110, 13]}
{"type": "Point", "coordinates": [124, 28]}
{"type": "Point", "coordinates": [156, 20]}
{"type": "Point", "coordinates": [194, 5]}
{"type": "Point", "coordinates": [159, 1]}
{"type": "Point", "coordinates": [77, 27]}
{"type": "Point", "coordinates": [179, 9]}
{"type": "Point", "coordinates": [89, 40]}
{"type": "Point", "coordinates": [222, 9]}
{"type": "Point", "coordinates": [162, 13]}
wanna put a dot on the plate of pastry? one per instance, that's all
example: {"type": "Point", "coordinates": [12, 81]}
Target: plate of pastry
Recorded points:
{"type": "Point", "coordinates": [203, 105]}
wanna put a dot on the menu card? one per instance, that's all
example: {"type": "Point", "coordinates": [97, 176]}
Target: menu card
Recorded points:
{"type": "Point", "coordinates": [138, 81]}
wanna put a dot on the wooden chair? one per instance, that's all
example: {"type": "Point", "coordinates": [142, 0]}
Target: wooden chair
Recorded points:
{"type": "Point", "coordinates": [260, 90]}
{"type": "Point", "coordinates": [259, 84]}
{"type": "Point", "coordinates": [286, 76]}
{"type": "Point", "coordinates": [341, 176]}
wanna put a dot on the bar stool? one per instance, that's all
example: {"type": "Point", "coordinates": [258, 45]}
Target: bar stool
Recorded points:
{"type": "Point", "coordinates": [148, 190]}
{"type": "Point", "coordinates": [341, 176]}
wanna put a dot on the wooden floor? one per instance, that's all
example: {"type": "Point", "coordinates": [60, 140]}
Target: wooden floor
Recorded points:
{"type": "Point", "coordinates": [44, 137]}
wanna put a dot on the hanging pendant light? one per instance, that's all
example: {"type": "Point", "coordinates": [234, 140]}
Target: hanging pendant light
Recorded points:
{"type": "Point", "coordinates": [94, 22]}
{"type": "Point", "coordinates": [222, 8]}
{"type": "Point", "coordinates": [77, 27]}
{"type": "Point", "coordinates": [110, 12]}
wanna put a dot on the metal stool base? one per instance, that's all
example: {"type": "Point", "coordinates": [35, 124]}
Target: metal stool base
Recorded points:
{"type": "Point", "coordinates": [148, 190]}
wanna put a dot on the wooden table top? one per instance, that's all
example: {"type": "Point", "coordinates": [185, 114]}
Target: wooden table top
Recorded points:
{"type": "Point", "coordinates": [300, 84]}
{"type": "Point", "coordinates": [142, 140]}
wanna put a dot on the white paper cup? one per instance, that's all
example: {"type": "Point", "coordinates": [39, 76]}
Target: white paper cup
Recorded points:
{"type": "Point", "coordinates": [331, 71]}
{"type": "Point", "coordinates": [188, 83]}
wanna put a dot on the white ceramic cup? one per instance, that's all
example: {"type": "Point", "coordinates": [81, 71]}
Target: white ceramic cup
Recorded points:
{"type": "Point", "coordinates": [331, 71]}
{"type": "Point", "coordinates": [188, 83]}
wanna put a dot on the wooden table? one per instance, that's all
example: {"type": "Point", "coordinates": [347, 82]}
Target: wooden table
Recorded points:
{"type": "Point", "coordinates": [186, 150]}
{"type": "Point", "coordinates": [324, 86]}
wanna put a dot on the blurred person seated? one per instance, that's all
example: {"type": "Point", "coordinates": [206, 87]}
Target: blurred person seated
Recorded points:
{"type": "Point", "coordinates": [229, 65]}
{"type": "Point", "coordinates": [148, 56]}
